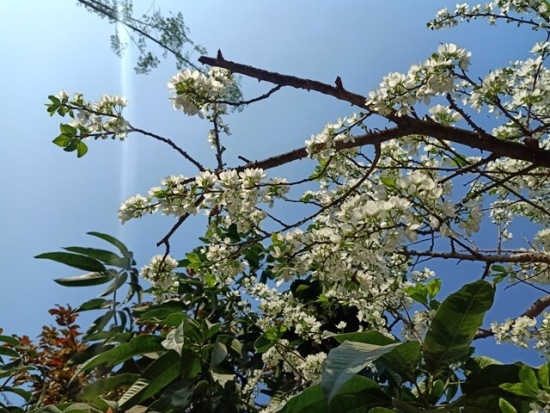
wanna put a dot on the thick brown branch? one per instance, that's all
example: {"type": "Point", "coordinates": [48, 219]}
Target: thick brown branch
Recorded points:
{"type": "Point", "coordinates": [518, 258]}
{"type": "Point", "coordinates": [406, 124]}
{"type": "Point", "coordinates": [285, 80]}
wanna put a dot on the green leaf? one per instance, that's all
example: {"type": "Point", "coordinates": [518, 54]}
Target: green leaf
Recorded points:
{"type": "Point", "coordinates": [81, 149]}
{"type": "Point", "coordinates": [528, 378]}
{"type": "Point", "coordinates": [105, 256]}
{"type": "Point", "coordinates": [369, 337]}
{"type": "Point", "coordinates": [345, 361]}
{"type": "Point", "coordinates": [10, 340]}
{"type": "Point", "coordinates": [112, 240]}
{"type": "Point", "coordinates": [433, 287]}
{"type": "Point", "coordinates": [67, 129]}
{"type": "Point", "coordinates": [16, 390]}
{"type": "Point", "coordinates": [102, 386]}
{"type": "Point", "coordinates": [519, 389]}
{"type": "Point", "coordinates": [6, 351]}
{"type": "Point", "coordinates": [357, 393]}
{"type": "Point", "coordinates": [74, 260]}
{"type": "Point", "coordinates": [62, 140]}
{"type": "Point", "coordinates": [455, 324]}
{"type": "Point", "coordinates": [93, 304]}
{"type": "Point", "coordinates": [219, 353]}
{"type": "Point", "coordinates": [139, 345]}
{"type": "Point", "coordinates": [156, 377]}
{"type": "Point", "coordinates": [119, 281]}
{"type": "Point", "coordinates": [543, 375]}
{"type": "Point", "coordinates": [505, 406]}
{"type": "Point", "coordinates": [381, 410]}
{"type": "Point", "coordinates": [85, 280]}
{"type": "Point", "coordinates": [403, 407]}
{"type": "Point", "coordinates": [403, 359]}
{"type": "Point", "coordinates": [175, 339]}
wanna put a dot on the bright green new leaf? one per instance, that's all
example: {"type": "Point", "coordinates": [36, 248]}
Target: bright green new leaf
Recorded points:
{"type": "Point", "coordinates": [345, 361]}
{"type": "Point", "coordinates": [455, 324]}
{"type": "Point", "coordinates": [528, 377]}
{"type": "Point", "coordinates": [81, 149]}
{"type": "Point", "coordinates": [543, 375]}
{"type": "Point", "coordinates": [505, 406]}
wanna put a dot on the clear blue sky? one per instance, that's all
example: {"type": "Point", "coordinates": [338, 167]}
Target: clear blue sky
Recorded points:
{"type": "Point", "coordinates": [51, 199]}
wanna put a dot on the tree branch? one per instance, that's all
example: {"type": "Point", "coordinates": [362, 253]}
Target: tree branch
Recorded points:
{"type": "Point", "coordinates": [406, 124]}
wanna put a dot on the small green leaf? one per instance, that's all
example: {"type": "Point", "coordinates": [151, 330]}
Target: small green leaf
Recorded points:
{"type": "Point", "coordinates": [519, 389]}
{"type": "Point", "coordinates": [62, 140]}
{"type": "Point", "coordinates": [74, 260]}
{"type": "Point", "coordinates": [433, 287]}
{"type": "Point", "coordinates": [81, 149]}
{"type": "Point", "coordinates": [505, 406]}
{"type": "Point", "coordinates": [68, 130]}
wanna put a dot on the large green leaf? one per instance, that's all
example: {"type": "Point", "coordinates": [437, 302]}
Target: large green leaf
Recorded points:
{"type": "Point", "coordinates": [403, 359]}
{"type": "Point", "coordinates": [345, 361]}
{"type": "Point", "coordinates": [105, 256]}
{"type": "Point", "coordinates": [155, 378]}
{"type": "Point", "coordinates": [85, 280]}
{"type": "Point", "coordinates": [139, 345]}
{"type": "Point", "coordinates": [74, 260]}
{"type": "Point", "coordinates": [369, 337]}
{"type": "Point", "coordinates": [109, 238]}
{"type": "Point", "coordinates": [103, 386]}
{"type": "Point", "coordinates": [357, 395]}
{"type": "Point", "coordinates": [455, 324]}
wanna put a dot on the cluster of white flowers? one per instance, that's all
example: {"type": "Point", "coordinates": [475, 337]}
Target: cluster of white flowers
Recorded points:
{"type": "Point", "coordinates": [322, 145]}
{"type": "Point", "coordinates": [399, 92]}
{"type": "Point", "coordinates": [237, 193]}
{"type": "Point", "coordinates": [160, 273]}
{"type": "Point", "coordinates": [195, 92]}
{"type": "Point", "coordinates": [492, 10]}
{"type": "Point", "coordinates": [103, 117]}
{"type": "Point", "coordinates": [518, 331]}
{"type": "Point", "coordinates": [444, 114]}
{"type": "Point", "coordinates": [418, 325]}
{"type": "Point", "coordinates": [306, 370]}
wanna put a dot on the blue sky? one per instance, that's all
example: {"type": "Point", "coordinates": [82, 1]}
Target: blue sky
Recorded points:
{"type": "Point", "coordinates": [51, 198]}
